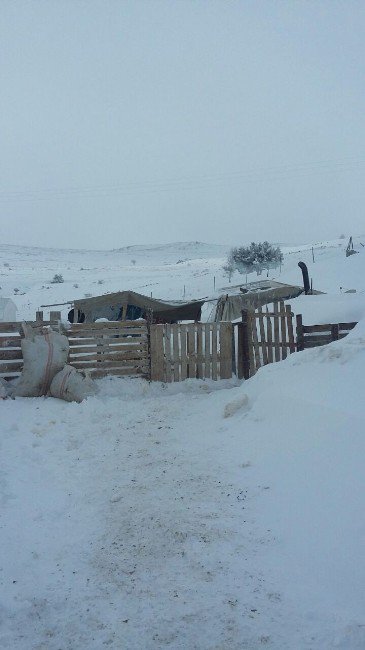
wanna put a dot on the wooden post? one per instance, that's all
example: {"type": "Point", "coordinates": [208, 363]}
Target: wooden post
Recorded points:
{"type": "Point", "coordinates": [54, 316]}
{"type": "Point", "coordinates": [262, 336]}
{"type": "Point", "coordinates": [290, 328]}
{"type": "Point", "coordinates": [276, 332]}
{"type": "Point", "coordinates": [270, 349]}
{"type": "Point", "coordinates": [234, 364]}
{"type": "Point", "coordinates": [244, 343]}
{"type": "Point", "coordinates": [300, 337]}
{"type": "Point", "coordinates": [335, 332]}
{"type": "Point", "coordinates": [283, 319]}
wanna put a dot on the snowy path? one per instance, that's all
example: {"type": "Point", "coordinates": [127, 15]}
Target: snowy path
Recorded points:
{"type": "Point", "coordinates": [134, 533]}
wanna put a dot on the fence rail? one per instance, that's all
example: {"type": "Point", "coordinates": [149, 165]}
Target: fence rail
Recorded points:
{"type": "Point", "coordinates": [310, 336]}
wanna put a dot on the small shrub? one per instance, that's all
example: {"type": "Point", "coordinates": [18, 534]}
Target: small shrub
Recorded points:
{"type": "Point", "coordinates": [256, 257]}
{"type": "Point", "coordinates": [57, 279]}
{"type": "Point", "coordinates": [100, 281]}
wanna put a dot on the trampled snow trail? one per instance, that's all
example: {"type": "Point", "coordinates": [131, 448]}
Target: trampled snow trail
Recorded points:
{"type": "Point", "coordinates": [136, 537]}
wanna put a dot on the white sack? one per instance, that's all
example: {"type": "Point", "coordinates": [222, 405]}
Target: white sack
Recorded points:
{"type": "Point", "coordinates": [44, 355]}
{"type": "Point", "coordinates": [72, 385]}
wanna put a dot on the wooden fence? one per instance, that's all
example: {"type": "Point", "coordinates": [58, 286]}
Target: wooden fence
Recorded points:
{"type": "Point", "coordinates": [11, 356]}
{"type": "Point", "coordinates": [115, 348]}
{"type": "Point", "coordinates": [119, 348]}
{"type": "Point", "coordinates": [310, 336]}
{"type": "Point", "coordinates": [264, 337]}
{"type": "Point", "coordinates": [197, 350]}
{"type": "Point", "coordinates": [177, 352]}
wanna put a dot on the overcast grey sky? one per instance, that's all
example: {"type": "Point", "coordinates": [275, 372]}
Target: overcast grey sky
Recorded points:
{"type": "Point", "coordinates": [145, 121]}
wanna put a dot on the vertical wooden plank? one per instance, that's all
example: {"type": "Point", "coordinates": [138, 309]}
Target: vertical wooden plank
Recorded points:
{"type": "Point", "coordinates": [276, 332]}
{"type": "Point", "coordinates": [284, 351]}
{"type": "Point", "coordinates": [214, 334]}
{"type": "Point", "coordinates": [225, 350]}
{"type": "Point", "coordinates": [300, 337]}
{"type": "Point", "coordinates": [157, 354]}
{"type": "Point", "coordinates": [262, 336]}
{"type": "Point", "coordinates": [176, 350]}
{"type": "Point", "coordinates": [184, 359]}
{"type": "Point", "coordinates": [250, 343]}
{"type": "Point", "coordinates": [255, 342]}
{"type": "Point", "coordinates": [243, 356]}
{"type": "Point", "coordinates": [270, 357]}
{"type": "Point", "coordinates": [234, 346]}
{"type": "Point", "coordinates": [199, 350]}
{"type": "Point", "coordinates": [207, 361]}
{"type": "Point", "coordinates": [289, 320]}
{"type": "Point", "coordinates": [240, 352]}
{"type": "Point", "coordinates": [335, 332]}
{"type": "Point", "coordinates": [191, 351]}
{"type": "Point", "coordinates": [167, 347]}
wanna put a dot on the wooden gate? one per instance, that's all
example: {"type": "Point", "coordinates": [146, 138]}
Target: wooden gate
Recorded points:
{"type": "Point", "coordinates": [109, 348]}
{"type": "Point", "coordinates": [264, 337]}
{"type": "Point", "coordinates": [197, 350]}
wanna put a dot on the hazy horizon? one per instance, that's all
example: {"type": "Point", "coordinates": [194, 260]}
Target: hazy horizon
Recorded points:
{"type": "Point", "coordinates": [150, 122]}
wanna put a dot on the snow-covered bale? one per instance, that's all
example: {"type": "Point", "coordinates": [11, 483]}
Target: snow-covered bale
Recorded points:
{"type": "Point", "coordinates": [72, 385]}
{"type": "Point", "coordinates": [45, 354]}
{"type": "Point", "coordinates": [4, 388]}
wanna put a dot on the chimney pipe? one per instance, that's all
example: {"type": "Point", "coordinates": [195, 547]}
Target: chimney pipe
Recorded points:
{"type": "Point", "coordinates": [306, 284]}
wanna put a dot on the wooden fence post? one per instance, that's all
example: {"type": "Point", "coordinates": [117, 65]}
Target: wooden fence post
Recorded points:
{"type": "Point", "coordinates": [300, 337]}
{"type": "Point", "coordinates": [54, 316]}
{"type": "Point", "coordinates": [243, 347]}
{"type": "Point", "coordinates": [290, 328]}
{"type": "Point", "coordinates": [335, 332]}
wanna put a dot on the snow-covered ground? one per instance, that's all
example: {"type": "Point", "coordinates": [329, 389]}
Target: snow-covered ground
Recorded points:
{"type": "Point", "coordinates": [202, 515]}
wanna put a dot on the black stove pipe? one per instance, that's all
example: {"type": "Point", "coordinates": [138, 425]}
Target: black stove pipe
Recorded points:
{"type": "Point", "coordinates": [306, 284]}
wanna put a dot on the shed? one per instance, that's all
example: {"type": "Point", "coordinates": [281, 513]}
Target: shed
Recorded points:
{"type": "Point", "coordinates": [253, 295]}
{"type": "Point", "coordinates": [8, 310]}
{"type": "Point", "coordinates": [128, 305]}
